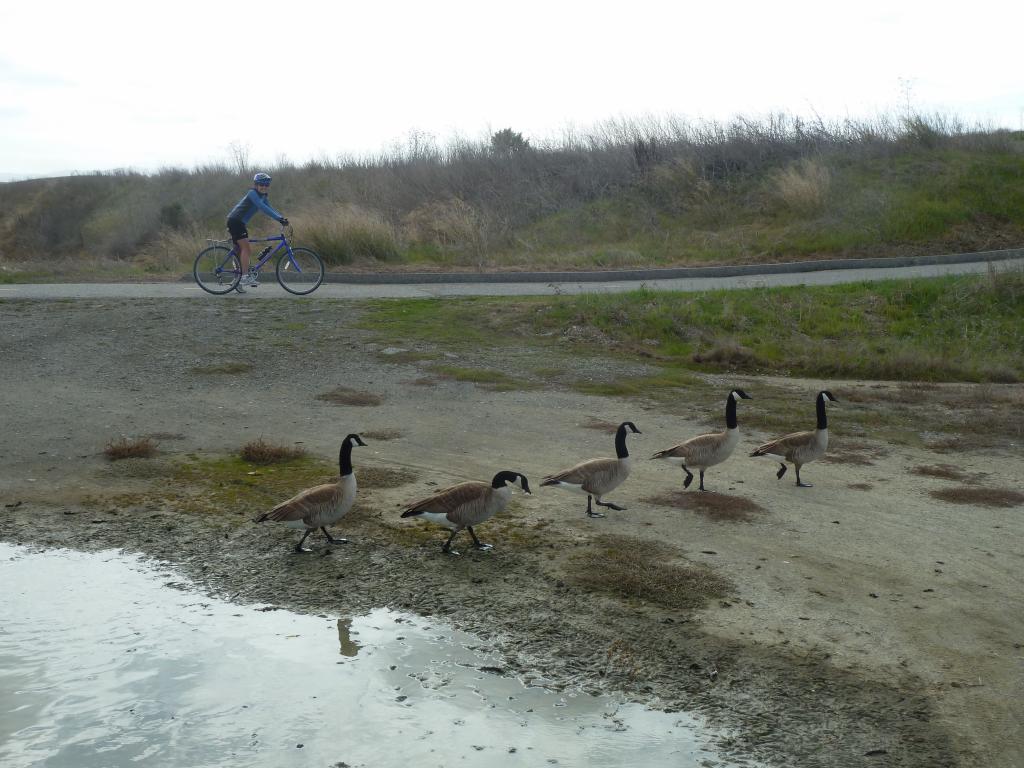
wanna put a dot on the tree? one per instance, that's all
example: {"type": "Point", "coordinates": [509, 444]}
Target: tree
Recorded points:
{"type": "Point", "coordinates": [508, 142]}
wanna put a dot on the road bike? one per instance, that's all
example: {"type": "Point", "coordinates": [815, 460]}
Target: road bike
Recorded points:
{"type": "Point", "coordinates": [299, 270]}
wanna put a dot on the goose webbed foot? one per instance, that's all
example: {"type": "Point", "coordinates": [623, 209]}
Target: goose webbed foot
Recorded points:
{"type": "Point", "coordinates": [301, 549]}
{"type": "Point", "coordinates": [781, 471]}
{"type": "Point", "coordinates": [592, 513]}
{"type": "Point", "coordinates": [333, 540]}
{"type": "Point", "coordinates": [447, 547]}
{"type": "Point", "coordinates": [608, 504]}
{"type": "Point", "coordinates": [804, 485]}
{"type": "Point", "coordinates": [477, 543]}
{"type": "Point", "coordinates": [800, 483]}
{"type": "Point", "coordinates": [689, 478]}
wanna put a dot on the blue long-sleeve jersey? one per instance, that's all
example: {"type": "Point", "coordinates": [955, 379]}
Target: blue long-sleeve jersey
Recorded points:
{"type": "Point", "coordinates": [248, 205]}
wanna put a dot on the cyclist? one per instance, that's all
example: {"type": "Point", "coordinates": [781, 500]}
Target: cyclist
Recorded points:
{"type": "Point", "coordinates": [255, 199]}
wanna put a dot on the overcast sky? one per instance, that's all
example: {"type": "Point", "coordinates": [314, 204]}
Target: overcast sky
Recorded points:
{"type": "Point", "coordinates": [103, 85]}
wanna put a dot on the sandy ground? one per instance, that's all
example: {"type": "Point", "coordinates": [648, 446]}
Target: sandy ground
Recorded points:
{"type": "Point", "coordinates": [869, 623]}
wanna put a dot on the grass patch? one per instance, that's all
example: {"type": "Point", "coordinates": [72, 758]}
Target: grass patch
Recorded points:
{"type": "Point", "coordinates": [720, 507]}
{"type": "Point", "coordinates": [383, 434]}
{"type": "Point", "coordinates": [943, 472]}
{"type": "Point", "coordinates": [222, 368]}
{"type": "Point", "coordinates": [262, 453]}
{"type": "Point", "coordinates": [347, 396]}
{"type": "Point", "coordinates": [488, 379]}
{"type": "Point", "coordinates": [637, 569]}
{"type": "Point", "coordinates": [860, 486]}
{"type": "Point", "coordinates": [382, 477]}
{"type": "Point", "coordinates": [130, 448]}
{"type": "Point", "coordinates": [962, 328]}
{"type": "Point", "coordinates": [980, 497]}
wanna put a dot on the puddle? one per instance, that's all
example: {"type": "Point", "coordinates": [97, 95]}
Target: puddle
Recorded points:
{"type": "Point", "coordinates": [107, 660]}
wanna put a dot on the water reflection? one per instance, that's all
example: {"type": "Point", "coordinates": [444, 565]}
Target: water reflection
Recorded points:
{"type": "Point", "coordinates": [349, 647]}
{"type": "Point", "coordinates": [107, 662]}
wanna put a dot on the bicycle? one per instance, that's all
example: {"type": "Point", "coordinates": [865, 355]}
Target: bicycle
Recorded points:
{"type": "Point", "coordinates": [299, 270]}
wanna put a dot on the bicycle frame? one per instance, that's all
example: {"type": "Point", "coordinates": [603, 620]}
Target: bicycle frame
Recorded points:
{"type": "Point", "coordinates": [282, 242]}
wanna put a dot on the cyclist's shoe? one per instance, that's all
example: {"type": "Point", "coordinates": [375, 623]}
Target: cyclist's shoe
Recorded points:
{"type": "Point", "coordinates": [239, 287]}
{"type": "Point", "coordinates": [249, 281]}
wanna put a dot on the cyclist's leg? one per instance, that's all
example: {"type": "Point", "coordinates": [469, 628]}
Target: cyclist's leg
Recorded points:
{"type": "Point", "coordinates": [240, 238]}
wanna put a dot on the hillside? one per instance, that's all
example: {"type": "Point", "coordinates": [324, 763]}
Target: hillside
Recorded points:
{"type": "Point", "coordinates": [654, 193]}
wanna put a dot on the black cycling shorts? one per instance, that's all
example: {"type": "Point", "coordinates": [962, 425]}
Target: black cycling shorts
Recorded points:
{"type": "Point", "coordinates": [237, 230]}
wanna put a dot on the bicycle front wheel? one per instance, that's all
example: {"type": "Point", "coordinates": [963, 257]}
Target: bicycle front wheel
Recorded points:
{"type": "Point", "coordinates": [217, 270]}
{"type": "Point", "coordinates": [300, 272]}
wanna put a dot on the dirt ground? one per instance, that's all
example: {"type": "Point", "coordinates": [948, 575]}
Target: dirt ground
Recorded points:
{"type": "Point", "coordinates": [868, 622]}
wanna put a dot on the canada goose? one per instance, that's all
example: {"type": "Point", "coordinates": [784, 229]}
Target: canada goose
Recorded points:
{"type": "Point", "coordinates": [801, 447]}
{"type": "Point", "coordinates": [467, 504]}
{"type": "Point", "coordinates": [597, 477]}
{"type": "Point", "coordinates": [707, 450]}
{"type": "Point", "coordinates": [321, 505]}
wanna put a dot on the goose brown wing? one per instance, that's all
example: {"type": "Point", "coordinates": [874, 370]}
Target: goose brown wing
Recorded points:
{"type": "Point", "coordinates": [447, 500]}
{"type": "Point", "coordinates": [692, 448]}
{"type": "Point", "coordinates": [303, 504]}
{"type": "Point", "coordinates": [582, 472]}
{"type": "Point", "coordinates": [784, 445]}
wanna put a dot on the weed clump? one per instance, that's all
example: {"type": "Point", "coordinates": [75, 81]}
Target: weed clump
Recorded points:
{"type": "Point", "coordinates": [261, 452]}
{"type": "Point", "coordinates": [980, 497]}
{"type": "Point", "coordinates": [128, 448]}
{"type": "Point", "coordinates": [347, 396]}
{"type": "Point", "coordinates": [638, 569]}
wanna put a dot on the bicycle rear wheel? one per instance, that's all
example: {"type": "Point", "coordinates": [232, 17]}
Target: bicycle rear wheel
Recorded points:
{"type": "Point", "coordinates": [217, 270]}
{"type": "Point", "coordinates": [301, 272]}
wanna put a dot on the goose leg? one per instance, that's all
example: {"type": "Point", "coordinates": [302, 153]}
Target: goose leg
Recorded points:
{"type": "Point", "coordinates": [331, 539]}
{"type": "Point", "coordinates": [702, 480]}
{"type": "Point", "coordinates": [476, 542]}
{"type": "Point", "coordinates": [799, 482]}
{"type": "Point", "coordinates": [299, 547]}
{"type": "Point", "coordinates": [782, 471]}
{"type": "Point", "coordinates": [447, 548]}
{"type": "Point", "coordinates": [590, 510]}
{"type": "Point", "coordinates": [689, 477]}
{"type": "Point", "coordinates": [608, 504]}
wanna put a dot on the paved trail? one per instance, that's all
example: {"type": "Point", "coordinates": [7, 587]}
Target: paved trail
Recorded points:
{"type": "Point", "coordinates": [269, 289]}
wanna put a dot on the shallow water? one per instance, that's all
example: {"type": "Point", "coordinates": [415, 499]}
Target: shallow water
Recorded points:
{"type": "Point", "coordinates": [106, 660]}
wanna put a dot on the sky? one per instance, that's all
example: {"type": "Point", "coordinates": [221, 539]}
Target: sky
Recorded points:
{"type": "Point", "coordinates": [110, 84]}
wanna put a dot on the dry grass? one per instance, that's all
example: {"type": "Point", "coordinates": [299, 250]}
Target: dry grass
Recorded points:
{"type": "Point", "coordinates": [645, 570]}
{"type": "Point", "coordinates": [261, 452]}
{"type": "Point", "coordinates": [943, 472]}
{"type": "Point", "coordinates": [128, 448]}
{"type": "Point", "coordinates": [720, 507]}
{"type": "Point", "coordinates": [383, 434]}
{"type": "Point", "coordinates": [980, 497]}
{"type": "Point", "coordinates": [223, 368]}
{"type": "Point", "coordinates": [381, 477]}
{"type": "Point", "coordinates": [600, 425]}
{"type": "Point", "coordinates": [803, 187]}
{"type": "Point", "coordinates": [346, 396]}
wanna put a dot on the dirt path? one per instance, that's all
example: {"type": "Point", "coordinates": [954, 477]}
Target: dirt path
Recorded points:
{"type": "Point", "coordinates": [867, 622]}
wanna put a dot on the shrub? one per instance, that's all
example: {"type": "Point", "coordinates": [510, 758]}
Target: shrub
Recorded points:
{"type": "Point", "coordinates": [128, 448]}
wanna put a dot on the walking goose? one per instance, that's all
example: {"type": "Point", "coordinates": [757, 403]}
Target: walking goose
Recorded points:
{"type": "Point", "coordinates": [464, 505]}
{"type": "Point", "coordinates": [707, 450]}
{"type": "Point", "coordinates": [321, 505]}
{"type": "Point", "coordinates": [801, 448]}
{"type": "Point", "coordinates": [597, 477]}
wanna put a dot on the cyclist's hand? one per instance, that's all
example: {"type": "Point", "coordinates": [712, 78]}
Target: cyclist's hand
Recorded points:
{"type": "Point", "coordinates": [284, 222]}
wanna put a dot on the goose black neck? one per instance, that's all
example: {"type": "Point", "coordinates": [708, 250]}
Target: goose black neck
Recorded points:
{"type": "Point", "coordinates": [620, 442]}
{"type": "Point", "coordinates": [345, 458]}
{"type": "Point", "coordinates": [730, 412]}
{"type": "Point", "coordinates": [822, 417]}
{"type": "Point", "coordinates": [503, 477]}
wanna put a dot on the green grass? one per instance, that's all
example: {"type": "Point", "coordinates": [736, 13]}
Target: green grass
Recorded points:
{"type": "Point", "coordinates": [968, 328]}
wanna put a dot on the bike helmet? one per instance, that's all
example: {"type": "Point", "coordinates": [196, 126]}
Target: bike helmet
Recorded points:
{"type": "Point", "coordinates": [261, 178]}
